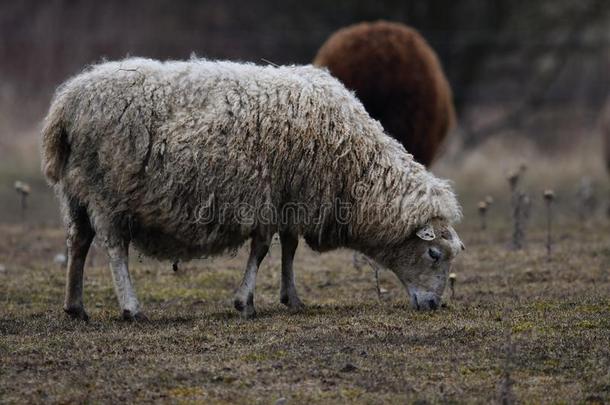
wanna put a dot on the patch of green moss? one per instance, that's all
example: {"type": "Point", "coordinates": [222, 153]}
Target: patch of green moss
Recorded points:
{"type": "Point", "coordinates": [587, 324]}
{"type": "Point", "coordinates": [523, 327]}
{"type": "Point", "coordinates": [255, 357]}
{"type": "Point", "coordinates": [184, 392]}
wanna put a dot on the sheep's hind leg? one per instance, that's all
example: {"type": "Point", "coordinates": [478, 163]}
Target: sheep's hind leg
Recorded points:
{"type": "Point", "coordinates": [79, 237]}
{"type": "Point", "coordinates": [288, 291]}
{"type": "Point", "coordinates": [123, 286]}
{"type": "Point", "coordinates": [244, 296]}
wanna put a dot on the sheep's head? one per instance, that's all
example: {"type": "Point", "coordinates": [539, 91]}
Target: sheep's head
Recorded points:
{"type": "Point", "coordinates": [422, 262]}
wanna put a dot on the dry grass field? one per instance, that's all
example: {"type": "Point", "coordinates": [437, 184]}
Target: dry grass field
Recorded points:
{"type": "Point", "coordinates": [517, 326]}
{"type": "Point", "coordinates": [347, 347]}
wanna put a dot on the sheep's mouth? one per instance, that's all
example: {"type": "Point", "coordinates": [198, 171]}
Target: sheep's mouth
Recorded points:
{"type": "Point", "coordinates": [424, 301]}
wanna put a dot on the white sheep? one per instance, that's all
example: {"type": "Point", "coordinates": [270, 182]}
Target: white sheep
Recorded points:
{"type": "Point", "coordinates": [192, 158]}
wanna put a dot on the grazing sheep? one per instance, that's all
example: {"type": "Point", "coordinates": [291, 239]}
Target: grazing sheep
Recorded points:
{"type": "Point", "coordinates": [185, 159]}
{"type": "Point", "coordinates": [398, 78]}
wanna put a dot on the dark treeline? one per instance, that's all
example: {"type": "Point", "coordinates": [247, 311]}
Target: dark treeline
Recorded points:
{"type": "Point", "coordinates": [499, 52]}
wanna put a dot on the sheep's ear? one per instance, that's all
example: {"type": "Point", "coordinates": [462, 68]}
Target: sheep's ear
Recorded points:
{"type": "Point", "coordinates": [426, 232]}
{"type": "Point", "coordinates": [456, 242]}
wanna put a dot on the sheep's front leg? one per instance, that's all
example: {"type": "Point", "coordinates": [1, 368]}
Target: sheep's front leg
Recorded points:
{"type": "Point", "coordinates": [123, 287]}
{"type": "Point", "coordinates": [244, 296]}
{"type": "Point", "coordinates": [288, 291]}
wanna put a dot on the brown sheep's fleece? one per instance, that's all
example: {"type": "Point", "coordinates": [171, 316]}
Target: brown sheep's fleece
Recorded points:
{"type": "Point", "coordinates": [398, 78]}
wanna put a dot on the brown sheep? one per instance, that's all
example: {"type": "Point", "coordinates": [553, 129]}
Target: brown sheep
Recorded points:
{"type": "Point", "coordinates": [398, 78]}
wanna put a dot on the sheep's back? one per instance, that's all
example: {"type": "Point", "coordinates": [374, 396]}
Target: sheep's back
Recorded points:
{"type": "Point", "coordinates": [186, 157]}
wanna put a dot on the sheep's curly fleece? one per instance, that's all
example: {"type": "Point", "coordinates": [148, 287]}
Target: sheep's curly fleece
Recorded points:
{"type": "Point", "coordinates": [153, 148]}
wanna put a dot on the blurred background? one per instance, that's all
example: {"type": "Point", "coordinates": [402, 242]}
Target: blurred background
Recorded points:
{"type": "Point", "coordinates": [530, 79]}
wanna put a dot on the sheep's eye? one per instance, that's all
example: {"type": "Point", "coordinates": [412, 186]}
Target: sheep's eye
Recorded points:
{"type": "Point", "coordinates": [434, 254]}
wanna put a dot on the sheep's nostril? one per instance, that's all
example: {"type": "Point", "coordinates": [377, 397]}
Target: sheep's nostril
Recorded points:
{"type": "Point", "coordinates": [432, 304]}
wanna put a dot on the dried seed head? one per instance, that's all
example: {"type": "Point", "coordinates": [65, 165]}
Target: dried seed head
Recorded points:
{"type": "Point", "coordinates": [489, 200]}
{"type": "Point", "coordinates": [452, 278]}
{"type": "Point", "coordinates": [482, 207]}
{"type": "Point", "coordinates": [549, 195]}
{"type": "Point", "coordinates": [513, 178]}
{"type": "Point", "coordinates": [22, 187]}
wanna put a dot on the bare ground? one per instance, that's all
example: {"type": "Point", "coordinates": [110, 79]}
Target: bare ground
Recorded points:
{"type": "Point", "coordinates": [543, 327]}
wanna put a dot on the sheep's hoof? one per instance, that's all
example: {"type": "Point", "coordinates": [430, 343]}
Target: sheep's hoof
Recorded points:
{"type": "Point", "coordinates": [249, 313]}
{"type": "Point", "coordinates": [294, 304]}
{"type": "Point", "coordinates": [129, 316]}
{"type": "Point", "coordinates": [246, 309]}
{"type": "Point", "coordinates": [77, 313]}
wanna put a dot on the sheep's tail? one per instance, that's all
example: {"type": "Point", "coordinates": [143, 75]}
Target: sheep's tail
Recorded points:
{"type": "Point", "coordinates": [55, 148]}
